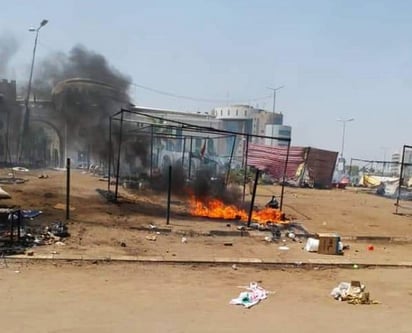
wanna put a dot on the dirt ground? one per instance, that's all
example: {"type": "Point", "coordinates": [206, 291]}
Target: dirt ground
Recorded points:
{"type": "Point", "coordinates": [109, 297]}
{"type": "Point", "coordinates": [147, 298]}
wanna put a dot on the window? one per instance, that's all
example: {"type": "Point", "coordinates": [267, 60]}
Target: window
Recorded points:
{"type": "Point", "coordinates": [284, 132]}
{"type": "Point", "coordinates": [237, 112]}
{"type": "Point", "coordinates": [221, 112]}
{"type": "Point", "coordinates": [245, 113]}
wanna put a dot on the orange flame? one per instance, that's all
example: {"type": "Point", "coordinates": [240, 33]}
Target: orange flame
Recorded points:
{"type": "Point", "coordinates": [214, 208]}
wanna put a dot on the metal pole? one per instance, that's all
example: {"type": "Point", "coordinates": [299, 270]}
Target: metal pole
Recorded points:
{"type": "Point", "coordinates": [19, 220]}
{"type": "Point", "coordinates": [284, 177]}
{"type": "Point", "coordinates": [400, 180]}
{"type": "Point", "coordinates": [116, 192]}
{"type": "Point", "coordinates": [110, 154]}
{"type": "Point", "coordinates": [252, 203]}
{"type": "Point", "coordinates": [230, 159]}
{"type": "Point", "coordinates": [12, 227]}
{"type": "Point", "coordinates": [245, 175]}
{"type": "Point", "coordinates": [26, 119]}
{"type": "Point", "coordinates": [169, 192]}
{"type": "Point", "coordinates": [190, 156]}
{"type": "Point", "coordinates": [343, 138]}
{"type": "Point", "coordinates": [68, 189]}
{"type": "Point", "coordinates": [183, 153]}
{"type": "Point", "coordinates": [151, 151]}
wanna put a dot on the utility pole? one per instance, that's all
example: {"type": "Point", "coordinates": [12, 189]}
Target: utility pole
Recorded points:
{"type": "Point", "coordinates": [343, 121]}
{"type": "Point", "coordinates": [274, 106]}
{"type": "Point", "coordinates": [26, 119]}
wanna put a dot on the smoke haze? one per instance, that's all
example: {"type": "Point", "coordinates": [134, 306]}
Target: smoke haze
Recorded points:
{"type": "Point", "coordinates": [8, 48]}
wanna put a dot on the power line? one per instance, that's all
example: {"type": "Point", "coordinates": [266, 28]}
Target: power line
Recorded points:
{"type": "Point", "coordinates": [174, 95]}
{"type": "Point", "coordinates": [196, 99]}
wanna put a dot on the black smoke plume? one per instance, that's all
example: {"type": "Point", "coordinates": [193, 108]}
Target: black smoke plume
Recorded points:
{"type": "Point", "coordinates": [85, 90]}
{"type": "Point", "coordinates": [8, 47]}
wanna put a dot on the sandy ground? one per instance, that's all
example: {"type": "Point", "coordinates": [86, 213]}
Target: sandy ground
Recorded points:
{"type": "Point", "coordinates": [147, 298]}
{"type": "Point", "coordinates": [85, 297]}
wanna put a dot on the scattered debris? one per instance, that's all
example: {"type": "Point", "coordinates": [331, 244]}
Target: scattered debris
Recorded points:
{"type": "Point", "coordinates": [20, 169]}
{"type": "Point", "coordinates": [4, 194]}
{"type": "Point", "coordinates": [312, 245]}
{"type": "Point", "coordinates": [184, 240]}
{"type": "Point", "coordinates": [325, 244]}
{"type": "Point", "coordinates": [62, 206]}
{"type": "Point", "coordinates": [329, 243]}
{"type": "Point", "coordinates": [234, 267]}
{"type": "Point", "coordinates": [58, 229]}
{"type": "Point", "coordinates": [291, 235]}
{"type": "Point", "coordinates": [268, 239]}
{"type": "Point", "coordinates": [43, 176]}
{"type": "Point", "coordinates": [353, 293]}
{"type": "Point", "coordinates": [30, 213]}
{"type": "Point", "coordinates": [123, 244]}
{"type": "Point", "coordinates": [30, 253]}
{"type": "Point", "coordinates": [151, 238]}
{"type": "Point", "coordinates": [59, 243]}
{"type": "Point", "coordinates": [283, 248]}
{"type": "Point", "coordinates": [251, 297]}
{"type": "Point", "coordinates": [371, 247]}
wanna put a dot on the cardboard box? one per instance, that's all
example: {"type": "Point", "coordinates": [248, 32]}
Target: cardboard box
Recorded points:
{"type": "Point", "coordinates": [328, 243]}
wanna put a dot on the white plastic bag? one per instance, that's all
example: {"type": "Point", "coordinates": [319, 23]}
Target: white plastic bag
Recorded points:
{"type": "Point", "coordinates": [312, 245]}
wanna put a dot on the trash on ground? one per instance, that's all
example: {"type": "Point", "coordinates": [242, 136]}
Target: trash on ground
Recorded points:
{"type": "Point", "coordinates": [30, 213]}
{"type": "Point", "coordinates": [283, 248]}
{"type": "Point", "coordinates": [325, 244]}
{"type": "Point", "coordinates": [58, 229]}
{"type": "Point", "coordinates": [43, 176]}
{"type": "Point", "coordinates": [4, 194]}
{"type": "Point", "coordinates": [151, 238]}
{"type": "Point", "coordinates": [184, 240]}
{"type": "Point", "coordinates": [251, 297]}
{"type": "Point", "coordinates": [228, 244]}
{"type": "Point", "coordinates": [329, 243]}
{"type": "Point", "coordinates": [371, 247]}
{"type": "Point", "coordinates": [59, 243]}
{"type": "Point", "coordinates": [234, 267]}
{"type": "Point", "coordinates": [20, 169]}
{"type": "Point", "coordinates": [62, 206]}
{"type": "Point", "coordinates": [352, 293]}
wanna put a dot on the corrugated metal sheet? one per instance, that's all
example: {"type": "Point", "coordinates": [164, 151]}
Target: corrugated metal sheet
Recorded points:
{"type": "Point", "coordinates": [320, 165]}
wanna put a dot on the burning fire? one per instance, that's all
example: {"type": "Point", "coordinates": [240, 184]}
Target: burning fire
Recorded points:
{"type": "Point", "coordinates": [215, 208]}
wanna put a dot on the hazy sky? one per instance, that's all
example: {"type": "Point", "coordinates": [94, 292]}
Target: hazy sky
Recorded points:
{"type": "Point", "coordinates": [337, 59]}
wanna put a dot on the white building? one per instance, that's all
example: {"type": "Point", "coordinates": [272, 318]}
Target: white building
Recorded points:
{"type": "Point", "coordinates": [249, 120]}
{"type": "Point", "coordinates": [235, 118]}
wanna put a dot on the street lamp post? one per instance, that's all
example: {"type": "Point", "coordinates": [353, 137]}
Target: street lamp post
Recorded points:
{"type": "Point", "coordinates": [26, 101]}
{"type": "Point", "coordinates": [274, 96]}
{"type": "Point", "coordinates": [343, 121]}
{"type": "Point", "coordinates": [274, 105]}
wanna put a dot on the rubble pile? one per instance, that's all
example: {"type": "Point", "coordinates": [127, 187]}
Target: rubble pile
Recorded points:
{"type": "Point", "coordinates": [352, 293]}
